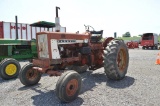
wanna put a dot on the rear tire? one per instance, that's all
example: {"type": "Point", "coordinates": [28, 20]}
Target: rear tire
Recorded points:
{"type": "Point", "coordinates": [9, 68]}
{"type": "Point", "coordinates": [29, 76]}
{"type": "Point", "coordinates": [116, 60]}
{"type": "Point", "coordinates": [68, 86]}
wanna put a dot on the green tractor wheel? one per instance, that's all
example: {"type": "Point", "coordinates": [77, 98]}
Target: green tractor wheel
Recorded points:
{"type": "Point", "coordinates": [9, 68]}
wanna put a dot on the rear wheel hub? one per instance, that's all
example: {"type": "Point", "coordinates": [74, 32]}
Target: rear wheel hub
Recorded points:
{"type": "Point", "coordinates": [121, 60]}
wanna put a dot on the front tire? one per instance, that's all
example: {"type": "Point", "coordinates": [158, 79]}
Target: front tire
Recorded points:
{"type": "Point", "coordinates": [68, 86]}
{"type": "Point", "coordinates": [29, 76]}
{"type": "Point", "coordinates": [9, 68]}
{"type": "Point", "coordinates": [116, 60]}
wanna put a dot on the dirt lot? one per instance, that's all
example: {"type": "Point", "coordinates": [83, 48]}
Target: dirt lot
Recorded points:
{"type": "Point", "coordinates": [140, 87]}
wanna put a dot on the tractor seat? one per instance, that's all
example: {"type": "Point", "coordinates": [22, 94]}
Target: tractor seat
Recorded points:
{"type": "Point", "coordinates": [96, 36]}
{"type": "Point", "coordinates": [97, 32]}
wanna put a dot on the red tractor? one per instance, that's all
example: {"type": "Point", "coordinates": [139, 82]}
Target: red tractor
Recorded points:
{"type": "Point", "coordinates": [69, 51]}
{"type": "Point", "coordinates": [60, 53]}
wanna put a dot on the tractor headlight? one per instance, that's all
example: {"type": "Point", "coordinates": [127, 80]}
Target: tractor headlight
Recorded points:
{"type": "Point", "coordinates": [85, 41]}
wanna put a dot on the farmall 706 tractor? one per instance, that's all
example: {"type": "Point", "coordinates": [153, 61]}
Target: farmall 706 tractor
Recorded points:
{"type": "Point", "coordinates": [61, 53]}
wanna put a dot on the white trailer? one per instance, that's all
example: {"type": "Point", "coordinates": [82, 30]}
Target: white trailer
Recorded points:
{"type": "Point", "coordinates": [25, 31]}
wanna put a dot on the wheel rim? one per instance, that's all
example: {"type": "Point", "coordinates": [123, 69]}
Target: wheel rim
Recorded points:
{"type": "Point", "coordinates": [31, 74]}
{"type": "Point", "coordinates": [122, 59]}
{"type": "Point", "coordinates": [72, 87]}
{"type": "Point", "coordinates": [11, 69]}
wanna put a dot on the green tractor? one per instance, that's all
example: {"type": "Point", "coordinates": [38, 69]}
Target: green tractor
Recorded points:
{"type": "Point", "coordinates": [13, 50]}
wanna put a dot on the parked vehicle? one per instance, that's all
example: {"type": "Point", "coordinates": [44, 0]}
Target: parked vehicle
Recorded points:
{"type": "Point", "coordinates": [13, 50]}
{"type": "Point", "coordinates": [149, 40]}
{"type": "Point", "coordinates": [132, 44]}
{"type": "Point", "coordinates": [59, 52]}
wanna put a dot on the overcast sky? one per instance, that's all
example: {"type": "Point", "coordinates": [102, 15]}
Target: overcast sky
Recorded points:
{"type": "Point", "coordinates": [135, 16]}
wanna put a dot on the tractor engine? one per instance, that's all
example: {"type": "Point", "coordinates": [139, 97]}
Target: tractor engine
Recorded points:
{"type": "Point", "coordinates": [65, 49]}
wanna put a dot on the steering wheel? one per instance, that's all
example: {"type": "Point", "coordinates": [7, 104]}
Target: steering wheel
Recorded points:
{"type": "Point", "coordinates": [87, 28]}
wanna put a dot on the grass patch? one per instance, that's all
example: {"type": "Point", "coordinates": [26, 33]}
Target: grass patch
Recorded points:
{"type": "Point", "coordinates": [134, 38]}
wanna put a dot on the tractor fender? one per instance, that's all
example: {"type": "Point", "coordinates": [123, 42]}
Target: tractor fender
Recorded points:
{"type": "Point", "coordinates": [106, 41]}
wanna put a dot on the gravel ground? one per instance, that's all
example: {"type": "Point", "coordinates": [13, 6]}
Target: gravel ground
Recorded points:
{"type": "Point", "coordinates": [140, 87]}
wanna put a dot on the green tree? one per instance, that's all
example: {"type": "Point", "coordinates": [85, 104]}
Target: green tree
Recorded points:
{"type": "Point", "coordinates": [140, 35]}
{"type": "Point", "coordinates": [127, 34]}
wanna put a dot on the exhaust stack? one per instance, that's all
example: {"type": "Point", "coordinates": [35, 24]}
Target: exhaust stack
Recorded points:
{"type": "Point", "coordinates": [16, 27]}
{"type": "Point", "coordinates": [57, 21]}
